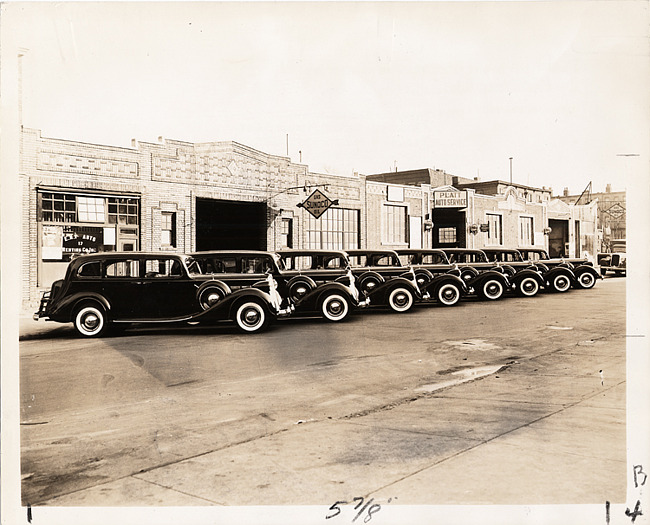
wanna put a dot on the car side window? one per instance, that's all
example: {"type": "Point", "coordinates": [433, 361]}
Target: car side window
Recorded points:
{"type": "Point", "coordinates": [128, 268]}
{"type": "Point", "coordinates": [357, 261]}
{"type": "Point", "coordinates": [303, 262]}
{"type": "Point", "coordinates": [91, 269]}
{"type": "Point", "coordinates": [156, 268]}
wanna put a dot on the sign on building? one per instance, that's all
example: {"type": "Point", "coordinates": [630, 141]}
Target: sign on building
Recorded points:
{"type": "Point", "coordinates": [450, 199]}
{"type": "Point", "coordinates": [317, 203]}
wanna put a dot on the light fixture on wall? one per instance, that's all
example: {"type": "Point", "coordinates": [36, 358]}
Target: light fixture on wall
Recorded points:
{"type": "Point", "coordinates": [473, 229]}
{"type": "Point", "coordinates": [547, 230]}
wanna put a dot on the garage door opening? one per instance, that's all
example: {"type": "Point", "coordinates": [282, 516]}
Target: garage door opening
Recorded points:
{"type": "Point", "coordinates": [230, 225]}
{"type": "Point", "coordinates": [448, 228]}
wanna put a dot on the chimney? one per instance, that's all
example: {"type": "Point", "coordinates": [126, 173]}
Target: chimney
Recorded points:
{"type": "Point", "coordinates": [608, 188]}
{"type": "Point", "coordinates": [566, 192]}
{"type": "Point", "coordinates": [133, 143]}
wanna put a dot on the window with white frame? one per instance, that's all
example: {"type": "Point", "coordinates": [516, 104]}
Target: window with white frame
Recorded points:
{"type": "Point", "coordinates": [393, 224]}
{"type": "Point", "coordinates": [90, 209]}
{"type": "Point", "coordinates": [495, 229]}
{"type": "Point", "coordinates": [168, 229]}
{"type": "Point", "coordinates": [526, 235]}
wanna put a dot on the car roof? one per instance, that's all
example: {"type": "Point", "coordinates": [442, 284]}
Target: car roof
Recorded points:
{"type": "Point", "coordinates": [292, 251]}
{"type": "Point", "coordinates": [230, 252]}
{"type": "Point", "coordinates": [420, 250]}
{"type": "Point", "coordinates": [360, 251]}
{"type": "Point", "coordinates": [461, 250]}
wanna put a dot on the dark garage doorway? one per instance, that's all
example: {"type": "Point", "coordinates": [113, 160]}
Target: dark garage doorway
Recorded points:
{"type": "Point", "coordinates": [448, 228]}
{"type": "Point", "coordinates": [230, 225]}
{"type": "Point", "coordinates": [558, 238]}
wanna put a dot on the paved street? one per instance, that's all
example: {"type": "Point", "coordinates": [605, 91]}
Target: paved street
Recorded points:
{"type": "Point", "coordinates": [483, 403]}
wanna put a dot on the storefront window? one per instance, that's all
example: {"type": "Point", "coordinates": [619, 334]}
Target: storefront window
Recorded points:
{"type": "Point", "coordinates": [122, 211]}
{"type": "Point", "coordinates": [58, 207]}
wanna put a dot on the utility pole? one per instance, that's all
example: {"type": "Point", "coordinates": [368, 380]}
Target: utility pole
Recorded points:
{"type": "Point", "coordinates": [510, 170]}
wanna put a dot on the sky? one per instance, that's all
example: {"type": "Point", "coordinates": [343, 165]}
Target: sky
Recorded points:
{"type": "Point", "coordinates": [561, 87]}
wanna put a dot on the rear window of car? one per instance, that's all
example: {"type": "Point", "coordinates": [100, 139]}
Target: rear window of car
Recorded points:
{"type": "Point", "coordinates": [90, 269]}
{"type": "Point", "coordinates": [335, 263]}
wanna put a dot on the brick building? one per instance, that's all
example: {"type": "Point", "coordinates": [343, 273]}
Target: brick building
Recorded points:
{"type": "Point", "coordinates": [169, 195]}
{"type": "Point", "coordinates": [180, 196]}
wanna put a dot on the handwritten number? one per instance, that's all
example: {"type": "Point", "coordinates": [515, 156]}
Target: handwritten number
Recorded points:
{"type": "Point", "coordinates": [633, 515]}
{"type": "Point", "coordinates": [363, 508]}
{"type": "Point", "coordinates": [373, 508]}
{"type": "Point", "coordinates": [336, 508]}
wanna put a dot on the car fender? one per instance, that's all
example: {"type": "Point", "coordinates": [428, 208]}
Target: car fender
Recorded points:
{"type": "Point", "coordinates": [381, 292]}
{"type": "Point", "coordinates": [313, 298]}
{"type": "Point", "coordinates": [553, 272]}
{"type": "Point", "coordinates": [526, 272]}
{"type": "Point", "coordinates": [586, 268]}
{"type": "Point", "coordinates": [478, 281]}
{"type": "Point", "coordinates": [65, 308]}
{"type": "Point", "coordinates": [226, 308]}
{"type": "Point", "coordinates": [444, 278]}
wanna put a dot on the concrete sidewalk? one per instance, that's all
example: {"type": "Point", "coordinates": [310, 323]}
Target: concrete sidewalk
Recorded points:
{"type": "Point", "coordinates": [563, 442]}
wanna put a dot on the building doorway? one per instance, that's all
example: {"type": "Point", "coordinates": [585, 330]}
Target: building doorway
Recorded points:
{"type": "Point", "coordinates": [448, 228]}
{"type": "Point", "coordinates": [558, 239]}
{"type": "Point", "coordinates": [230, 225]}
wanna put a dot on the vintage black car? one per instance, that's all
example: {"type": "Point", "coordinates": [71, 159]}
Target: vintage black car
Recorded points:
{"type": "Point", "coordinates": [437, 278]}
{"type": "Point", "coordinates": [321, 282]}
{"type": "Point", "coordinates": [584, 273]}
{"type": "Point", "coordinates": [114, 289]}
{"type": "Point", "coordinates": [383, 279]}
{"type": "Point", "coordinates": [526, 277]}
{"type": "Point", "coordinates": [482, 277]}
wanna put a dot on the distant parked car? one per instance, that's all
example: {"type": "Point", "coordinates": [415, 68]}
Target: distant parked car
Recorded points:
{"type": "Point", "coordinates": [320, 282]}
{"type": "Point", "coordinates": [115, 289]}
{"type": "Point", "coordinates": [612, 262]}
{"type": "Point", "coordinates": [383, 279]}
{"type": "Point", "coordinates": [437, 278]}
{"type": "Point", "coordinates": [482, 277]}
{"type": "Point", "coordinates": [585, 275]}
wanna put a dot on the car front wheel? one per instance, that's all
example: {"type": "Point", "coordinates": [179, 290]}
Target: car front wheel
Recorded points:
{"type": "Point", "coordinates": [586, 280]}
{"type": "Point", "coordinates": [251, 317]}
{"type": "Point", "coordinates": [492, 290]}
{"type": "Point", "coordinates": [528, 287]}
{"type": "Point", "coordinates": [400, 299]}
{"type": "Point", "coordinates": [561, 283]}
{"type": "Point", "coordinates": [448, 294]}
{"type": "Point", "coordinates": [335, 308]}
{"type": "Point", "coordinates": [90, 320]}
